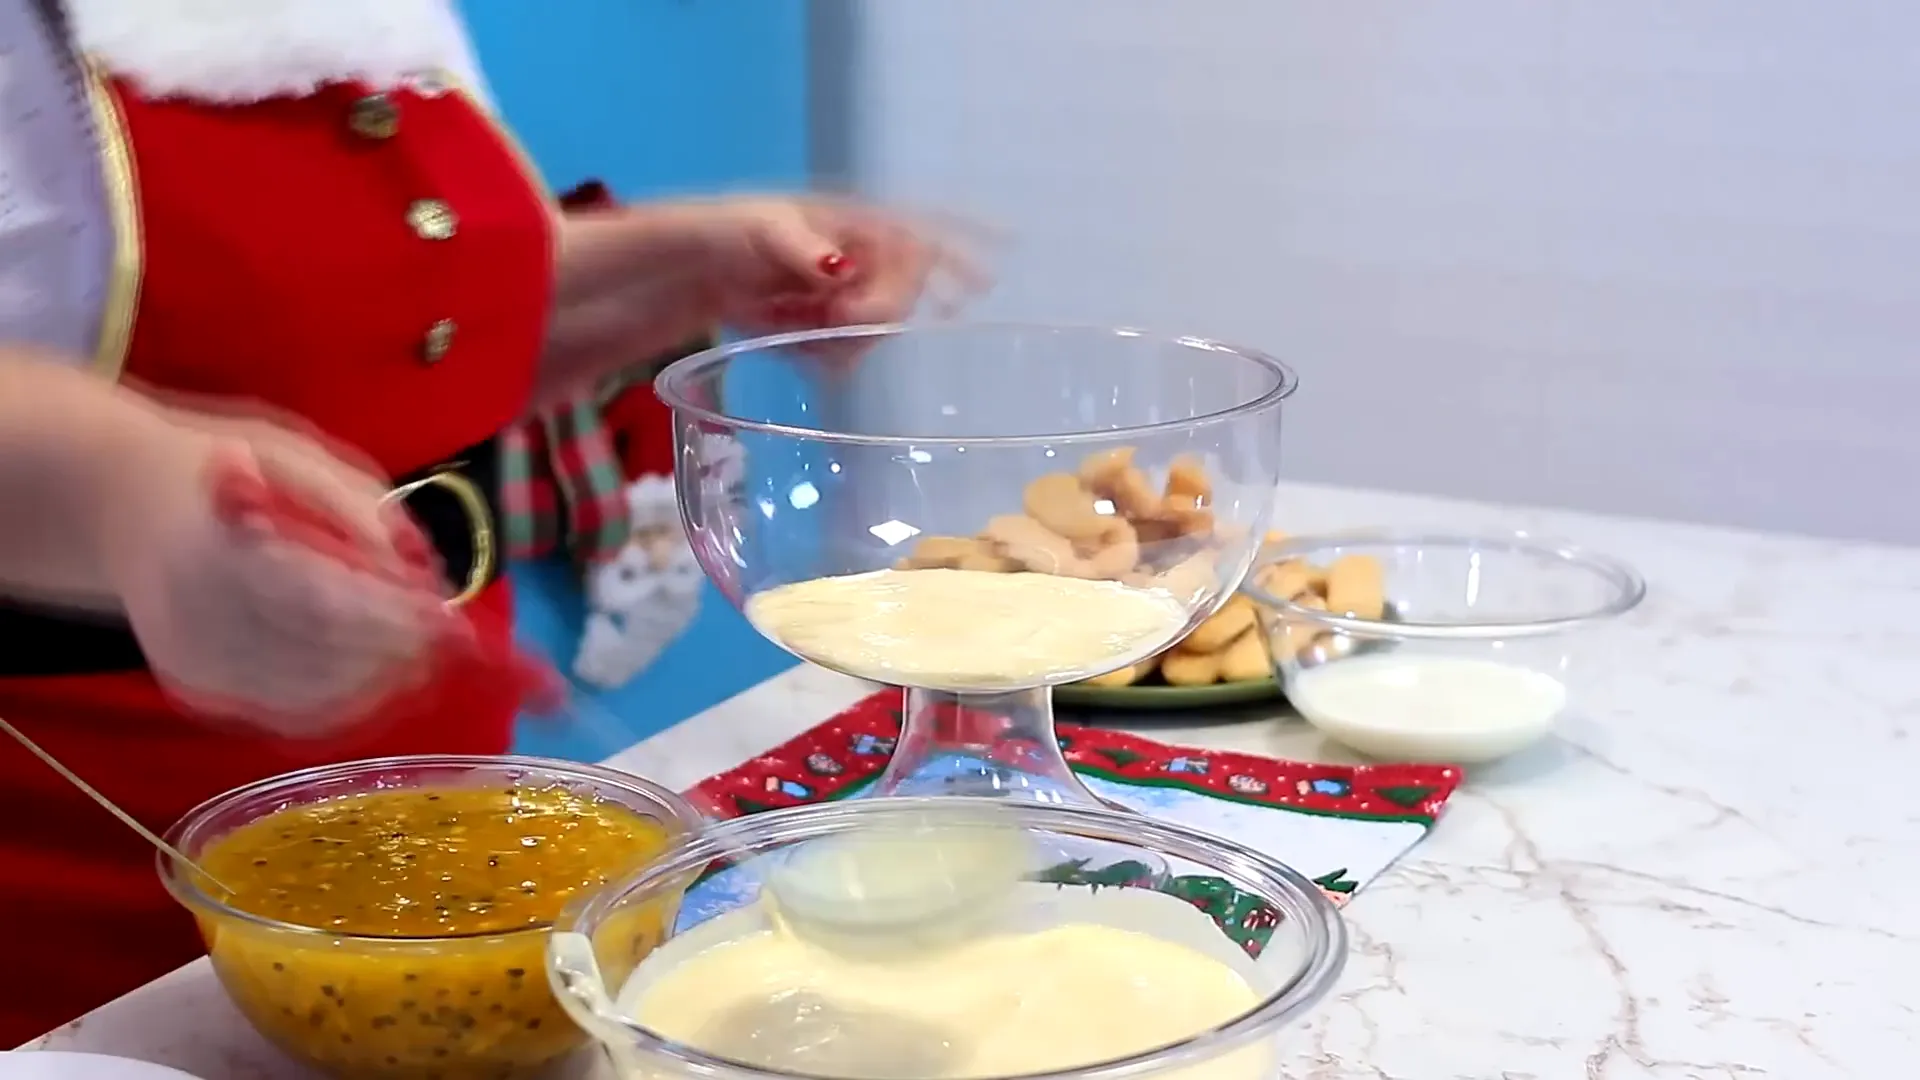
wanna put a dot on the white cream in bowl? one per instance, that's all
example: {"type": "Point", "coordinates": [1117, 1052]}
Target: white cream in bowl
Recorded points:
{"type": "Point", "coordinates": [1428, 708]}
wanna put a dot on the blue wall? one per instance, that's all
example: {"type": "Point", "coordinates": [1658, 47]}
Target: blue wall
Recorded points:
{"type": "Point", "coordinates": [655, 97]}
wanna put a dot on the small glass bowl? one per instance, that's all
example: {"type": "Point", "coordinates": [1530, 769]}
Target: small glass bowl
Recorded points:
{"type": "Point", "coordinates": [1263, 919]}
{"type": "Point", "coordinates": [400, 1008]}
{"type": "Point", "coordinates": [1472, 656]}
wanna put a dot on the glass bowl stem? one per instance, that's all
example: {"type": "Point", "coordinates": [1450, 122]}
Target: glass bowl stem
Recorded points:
{"type": "Point", "coordinates": [997, 745]}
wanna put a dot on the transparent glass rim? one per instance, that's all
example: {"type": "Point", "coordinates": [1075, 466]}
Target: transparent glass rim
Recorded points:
{"type": "Point", "coordinates": [1303, 904]}
{"type": "Point", "coordinates": [674, 384]}
{"type": "Point", "coordinates": [183, 883]}
{"type": "Point", "coordinates": [1625, 587]}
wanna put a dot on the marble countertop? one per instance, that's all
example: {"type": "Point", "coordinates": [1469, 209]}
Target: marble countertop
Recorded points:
{"type": "Point", "coordinates": [1709, 874]}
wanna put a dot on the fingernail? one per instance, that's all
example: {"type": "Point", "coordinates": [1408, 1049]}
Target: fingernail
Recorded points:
{"type": "Point", "coordinates": [835, 264]}
{"type": "Point", "coordinates": [236, 495]}
{"type": "Point", "coordinates": [411, 544]}
{"type": "Point", "coordinates": [250, 523]}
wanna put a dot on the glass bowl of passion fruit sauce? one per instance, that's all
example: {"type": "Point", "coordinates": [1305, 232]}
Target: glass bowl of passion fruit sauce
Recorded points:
{"type": "Point", "coordinates": [390, 916]}
{"type": "Point", "coordinates": [1086, 964]}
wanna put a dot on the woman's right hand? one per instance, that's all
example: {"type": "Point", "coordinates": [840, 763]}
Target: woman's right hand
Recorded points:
{"type": "Point", "coordinates": [241, 621]}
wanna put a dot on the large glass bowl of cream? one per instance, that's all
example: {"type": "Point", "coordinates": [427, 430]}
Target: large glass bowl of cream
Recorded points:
{"type": "Point", "coordinates": [1112, 945]}
{"type": "Point", "coordinates": [977, 512]}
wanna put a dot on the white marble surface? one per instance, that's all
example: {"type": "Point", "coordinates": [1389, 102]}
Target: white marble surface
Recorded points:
{"type": "Point", "coordinates": [1709, 875]}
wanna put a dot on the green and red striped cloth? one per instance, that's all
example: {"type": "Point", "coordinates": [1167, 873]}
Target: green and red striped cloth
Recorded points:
{"type": "Point", "coordinates": [564, 471]}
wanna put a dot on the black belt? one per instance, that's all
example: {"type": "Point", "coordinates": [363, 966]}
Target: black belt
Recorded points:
{"type": "Point", "coordinates": [457, 505]}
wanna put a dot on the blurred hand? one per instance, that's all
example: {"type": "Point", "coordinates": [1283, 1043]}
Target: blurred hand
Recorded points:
{"type": "Point", "coordinates": [784, 264]}
{"type": "Point", "coordinates": [300, 635]}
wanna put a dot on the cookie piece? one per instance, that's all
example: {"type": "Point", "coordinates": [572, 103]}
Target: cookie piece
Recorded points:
{"type": "Point", "coordinates": [1245, 657]}
{"type": "Point", "coordinates": [1114, 477]}
{"type": "Point", "coordinates": [1357, 587]}
{"type": "Point", "coordinates": [988, 561]}
{"type": "Point", "coordinates": [1290, 579]}
{"type": "Point", "coordinates": [1113, 554]}
{"type": "Point", "coordinates": [1126, 676]}
{"type": "Point", "coordinates": [1190, 578]}
{"type": "Point", "coordinates": [1189, 515]}
{"type": "Point", "coordinates": [942, 552]}
{"type": "Point", "coordinates": [1033, 546]}
{"type": "Point", "coordinates": [1297, 634]}
{"type": "Point", "coordinates": [1187, 479]}
{"type": "Point", "coordinates": [1234, 618]}
{"type": "Point", "coordinates": [1062, 503]}
{"type": "Point", "coordinates": [1182, 668]}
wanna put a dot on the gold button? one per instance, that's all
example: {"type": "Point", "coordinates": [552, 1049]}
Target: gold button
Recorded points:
{"type": "Point", "coordinates": [439, 339]}
{"type": "Point", "coordinates": [374, 117]}
{"type": "Point", "coordinates": [427, 84]}
{"type": "Point", "coordinates": [432, 220]}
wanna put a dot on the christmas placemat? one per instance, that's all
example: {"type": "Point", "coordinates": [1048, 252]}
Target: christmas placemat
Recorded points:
{"type": "Point", "coordinates": [1341, 825]}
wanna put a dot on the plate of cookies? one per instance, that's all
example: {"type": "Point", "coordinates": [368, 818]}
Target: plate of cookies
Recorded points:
{"type": "Point", "coordinates": [1223, 661]}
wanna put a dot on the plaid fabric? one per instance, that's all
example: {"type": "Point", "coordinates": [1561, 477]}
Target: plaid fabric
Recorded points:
{"type": "Point", "coordinates": [560, 483]}
{"type": "Point", "coordinates": [589, 480]}
{"type": "Point", "coordinates": [529, 502]}
{"type": "Point", "coordinates": [564, 473]}
{"type": "Point", "coordinates": [563, 485]}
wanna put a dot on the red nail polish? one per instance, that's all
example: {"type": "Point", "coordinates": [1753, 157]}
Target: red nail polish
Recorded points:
{"type": "Point", "coordinates": [410, 543]}
{"type": "Point", "coordinates": [835, 264]}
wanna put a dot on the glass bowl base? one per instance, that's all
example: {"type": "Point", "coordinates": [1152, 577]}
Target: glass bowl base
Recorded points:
{"type": "Point", "coordinates": [969, 777]}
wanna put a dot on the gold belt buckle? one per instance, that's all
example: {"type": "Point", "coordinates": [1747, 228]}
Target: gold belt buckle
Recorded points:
{"type": "Point", "coordinates": [479, 524]}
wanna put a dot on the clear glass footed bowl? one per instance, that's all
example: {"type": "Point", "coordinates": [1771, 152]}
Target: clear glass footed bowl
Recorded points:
{"type": "Point", "coordinates": [994, 509]}
{"type": "Point", "coordinates": [1263, 920]}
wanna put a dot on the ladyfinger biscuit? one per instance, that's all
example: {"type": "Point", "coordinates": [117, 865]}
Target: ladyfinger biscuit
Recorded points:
{"type": "Point", "coordinates": [1356, 586]}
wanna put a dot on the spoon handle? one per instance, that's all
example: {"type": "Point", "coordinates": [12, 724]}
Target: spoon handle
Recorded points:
{"type": "Point", "coordinates": [109, 805]}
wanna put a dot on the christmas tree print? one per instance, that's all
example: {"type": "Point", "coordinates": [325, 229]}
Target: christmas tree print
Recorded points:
{"type": "Point", "coordinates": [1337, 881]}
{"type": "Point", "coordinates": [1122, 874]}
{"type": "Point", "coordinates": [1407, 795]}
{"type": "Point", "coordinates": [1245, 918]}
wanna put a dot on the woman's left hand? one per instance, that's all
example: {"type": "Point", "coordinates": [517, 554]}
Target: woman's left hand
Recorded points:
{"type": "Point", "coordinates": [780, 264]}
{"type": "Point", "coordinates": [636, 282]}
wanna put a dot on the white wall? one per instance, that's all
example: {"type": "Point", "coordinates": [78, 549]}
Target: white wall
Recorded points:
{"type": "Point", "coordinates": [1650, 256]}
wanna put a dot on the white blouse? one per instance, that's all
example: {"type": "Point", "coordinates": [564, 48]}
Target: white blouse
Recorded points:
{"type": "Point", "coordinates": [56, 236]}
{"type": "Point", "coordinates": [56, 239]}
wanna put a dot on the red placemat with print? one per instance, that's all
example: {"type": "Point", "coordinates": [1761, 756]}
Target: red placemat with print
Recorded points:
{"type": "Point", "coordinates": [1339, 824]}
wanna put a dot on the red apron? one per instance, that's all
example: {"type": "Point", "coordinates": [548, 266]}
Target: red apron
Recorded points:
{"type": "Point", "coordinates": [379, 264]}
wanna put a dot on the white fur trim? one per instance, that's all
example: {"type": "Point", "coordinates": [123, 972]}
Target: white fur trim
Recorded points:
{"type": "Point", "coordinates": [239, 51]}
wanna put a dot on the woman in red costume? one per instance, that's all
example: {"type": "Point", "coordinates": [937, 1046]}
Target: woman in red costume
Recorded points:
{"type": "Point", "coordinates": [218, 210]}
